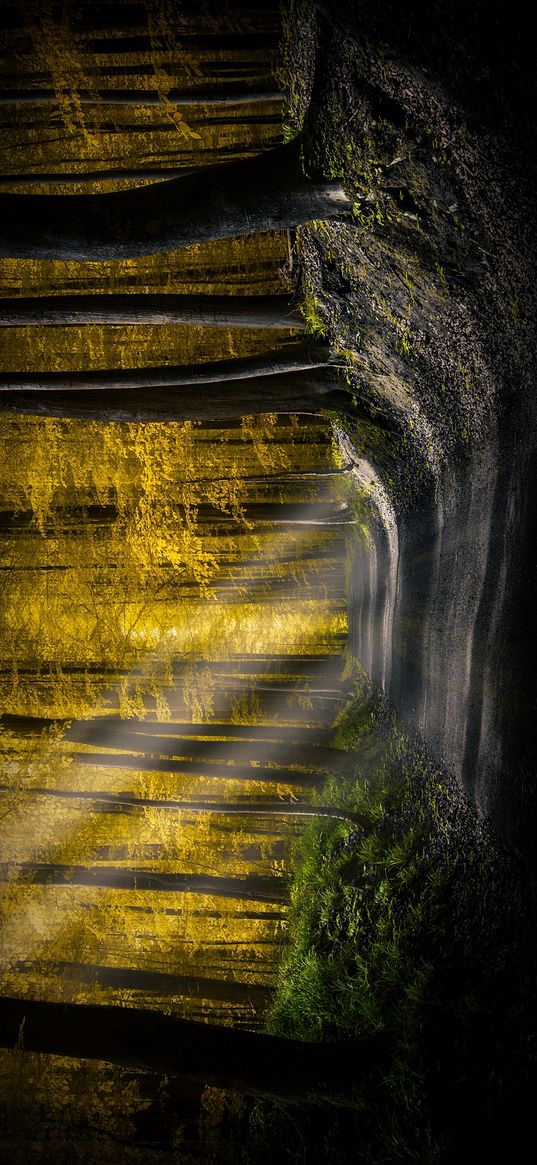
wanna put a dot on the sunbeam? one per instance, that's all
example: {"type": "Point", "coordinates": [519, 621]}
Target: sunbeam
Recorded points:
{"type": "Point", "coordinates": [60, 802]}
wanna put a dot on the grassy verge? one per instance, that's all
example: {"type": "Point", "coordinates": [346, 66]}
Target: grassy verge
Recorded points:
{"type": "Point", "coordinates": [415, 924]}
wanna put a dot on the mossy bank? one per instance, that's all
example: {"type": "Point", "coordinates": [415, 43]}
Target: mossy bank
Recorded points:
{"type": "Point", "coordinates": [416, 923]}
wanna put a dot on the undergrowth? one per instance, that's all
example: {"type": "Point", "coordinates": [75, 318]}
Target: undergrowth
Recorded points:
{"type": "Point", "coordinates": [412, 925]}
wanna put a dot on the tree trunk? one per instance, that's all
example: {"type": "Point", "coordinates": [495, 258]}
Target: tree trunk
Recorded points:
{"type": "Point", "coordinates": [219, 95]}
{"type": "Point", "coordinates": [287, 393]}
{"type": "Point", "coordinates": [291, 359]}
{"type": "Point", "coordinates": [130, 803]}
{"type": "Point", "coordinates": [136, 763]}
{"type": "Point", "coordinates": [34, 725]}
{"type": "Point", "coordinates": [112, 174]}
{"type": "Point", "coordinates": [252, 886]}
{"type": "Point", "coordinates": [286, 513]}
{"type": "Point", "coordinates": [161, 982]}
{"type": "Point", "coordinates": [287, 1071]}
{"type": "Point", "coordinates": [280, 479]}
{"type": "Point", "coordinates": [311, 756]}
{"type": "Point", "coordinates": [261, 193]}
{"type": "Point", "coordinates": [153, 172]}
{"type": "Point", "coordinates": [286, 667]}
{"type": "Point", "coordinates": [215, 311]}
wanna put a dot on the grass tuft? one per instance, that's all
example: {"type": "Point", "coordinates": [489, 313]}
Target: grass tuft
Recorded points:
{"type": "Point", "coordinates": [411, 925]}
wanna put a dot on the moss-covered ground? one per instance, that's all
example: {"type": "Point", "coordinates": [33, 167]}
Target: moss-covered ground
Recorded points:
{"type": "Point", "coordinates": [426, 291]}
{"type": "Point", "coordinates": [417, 924]}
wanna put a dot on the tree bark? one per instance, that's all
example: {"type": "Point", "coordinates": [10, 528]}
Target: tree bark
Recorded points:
{"type": "Point", "coordinates": [256, 194]}
{"type": "Point", "coordinates": [219, 95]}
{"type": "Point", "coordinates": [161, 982]}
{"type": "Point", "coordinates": [112, 174]}
{"type": "Point", "coordinates": [69, 517]}
{"type": "Point", "coordinates": [130, 803]}
{"type": "Point", "coordinates": [299, 392]}
{"type": "Point", "coordinates": [291, 359]}
{"type": "Point", "coordinates": [312, 756]}
{"type": "Point", "coordinates": [215, 311]}
{"type": "Point", "coordinates": [222, 152]}
{"type": "Point", "coordinates": [288, 1071]}
{"type": "Point", "coordinates": [252, 886]}
{"type": "Point", "coordinates": [280, 479]}
{"type": "Point", "coordinates": [34, 725]}
{"type": "Point", "coordinates": [136, 763]}
{"type": "Point", "coordinates": [284, 666]}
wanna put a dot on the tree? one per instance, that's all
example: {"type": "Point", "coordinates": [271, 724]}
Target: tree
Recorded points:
{"type": "Point", "coordinates": [294, 358]}
{"type": "Point", "coordinates": [285, 393]}
{"type": "Point", "coordinates": [288, 1071]}
{"type": "Point", "coordinates": [130, 803]}
{"type": "Point", "coordinates": [300, 379]}
{"type": "Point", "coordinates": [116, 733]}
{"type": "Point", "coordinates": [215, 311]}
{"type": "Point", "coordinates": [154, 764]}
{"type": "Point", "coordinates": [217, 95]}
{"type": "Point", "coordinates": [255, 194]}
{"type": "Point", "coordinates": [255, 887]}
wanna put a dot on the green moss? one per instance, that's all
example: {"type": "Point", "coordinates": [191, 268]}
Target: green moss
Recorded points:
{"type": "Point", "coordinates": [516, 310]}
{"type": "Point", "coordinates": [403, 343]}
{"type": "Point", "coordinates": [311, 310]}
{"type": "Point", "coordinates": [404, 926]}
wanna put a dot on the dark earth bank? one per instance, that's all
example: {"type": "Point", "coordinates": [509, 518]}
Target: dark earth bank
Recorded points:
{"type": "Point", "coordinates": [429, 297]}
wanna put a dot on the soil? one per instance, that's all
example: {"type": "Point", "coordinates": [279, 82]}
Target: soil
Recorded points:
{"type": "Point", "coordinates": [428, 296]}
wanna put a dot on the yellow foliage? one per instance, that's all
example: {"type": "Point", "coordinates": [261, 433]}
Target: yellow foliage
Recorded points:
{"type": "Point", "coordinates": [59, 55]}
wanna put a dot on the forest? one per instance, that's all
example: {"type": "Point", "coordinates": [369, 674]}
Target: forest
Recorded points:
{"type": "Point", "coordinates": [267, 559]}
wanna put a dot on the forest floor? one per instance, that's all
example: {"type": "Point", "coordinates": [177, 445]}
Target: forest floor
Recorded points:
{"type": "Point", "coordinates": [423, 925]}
{"type": "Point", "coordinates": [427, 295]}
{"type": "Point", "coordinates": [418, 923]}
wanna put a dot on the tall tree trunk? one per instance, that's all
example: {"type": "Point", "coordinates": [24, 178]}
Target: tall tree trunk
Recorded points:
{"type": "Point", "coordinates": [253, 886]}
{"type": "Point", "coordinates": [284, 1070]}
{"type": "Point", "coordinates": [287, 513]}
{"type": "Point", "coordinates": [261, 193]}
{"type": "Point", "coordinates": [161, 982]}
{"type": "Point", "coordinates": [222, 152]}
{"type": "Point", "coordinates": [215, 311]}
{"type": "Point", "coordinates": [81, 729]}
{"type": "Point", "coordinates": [130, 803]}
{"type": "Point", "coordinates": [298, 392]}
{"type": "Point", "coordinates": [219, 95]}
{"type": "Point", "coordinates": [136, 763]}
{"type": "Point", "coordinates": [281, 479]}
{"type": "Point", "coordinates": [291, 359]}
{"type": "Point", "coordinates": [312, 756]}
{"type": "Point", "coordinates": [111, 174]}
